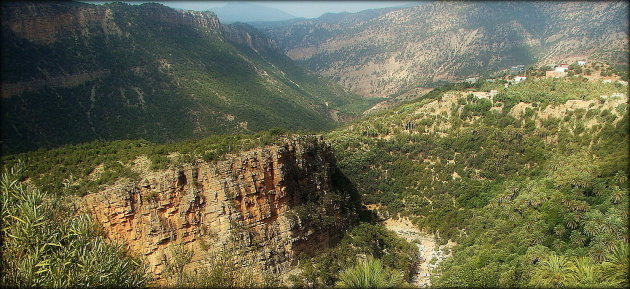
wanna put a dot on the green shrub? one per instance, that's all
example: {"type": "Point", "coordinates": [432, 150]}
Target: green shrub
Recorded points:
{"type": "Point", "coordinates": [44, 244]}
{"type": "Point", "coordinates": [369, 273]}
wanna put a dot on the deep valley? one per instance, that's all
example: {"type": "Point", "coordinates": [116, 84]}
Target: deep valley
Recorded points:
{"type": "Point", "coordinates": [434, 144]}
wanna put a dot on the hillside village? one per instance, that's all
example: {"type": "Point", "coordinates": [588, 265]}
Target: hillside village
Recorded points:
{"type": "Point", "coordinates": [595, 71]}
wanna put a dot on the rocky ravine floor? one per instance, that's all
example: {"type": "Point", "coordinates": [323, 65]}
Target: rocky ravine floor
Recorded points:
{"type": "Point", "coordinates": [430, 254]}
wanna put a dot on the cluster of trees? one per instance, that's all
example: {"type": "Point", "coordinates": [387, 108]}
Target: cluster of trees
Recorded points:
{"type": "Point", "coordinates": [575, 69]}
{"type": "Point", "coordinates": [557, 91]}
{"type": "Point", "coordinates": [560, 271]}
{"type": "Point", "coordinates": [368, 251]}
{"type": "Point", "coordinates": [501, 185]}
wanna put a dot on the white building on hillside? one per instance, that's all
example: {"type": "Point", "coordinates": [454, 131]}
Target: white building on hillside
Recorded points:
{"type": "Point", "coordinates": [581, 62]}
{"type": "Point", "coordinates": [472, 80]}
{"type": "Point", "coordinates": [562, 67]}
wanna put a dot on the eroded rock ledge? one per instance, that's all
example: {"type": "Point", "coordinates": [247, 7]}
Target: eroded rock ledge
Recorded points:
{"type": "Point", "coordinates": [264, 202]}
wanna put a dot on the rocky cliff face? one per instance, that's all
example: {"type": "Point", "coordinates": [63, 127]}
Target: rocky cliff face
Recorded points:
{"type": "Point", "coordinates": [245, 35]}
{"type": "Point", "coordinates": [384, 54]}
{"type": "Point", "coordinates": [253, 202]}
{"type": "Point", "coordinates": [45, 23]}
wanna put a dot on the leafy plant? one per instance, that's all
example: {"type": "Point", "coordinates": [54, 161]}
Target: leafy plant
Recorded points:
{"type": "Point", "coordinates": [45, 244]}
{"type": "Point", "coordinates": [369, 273]}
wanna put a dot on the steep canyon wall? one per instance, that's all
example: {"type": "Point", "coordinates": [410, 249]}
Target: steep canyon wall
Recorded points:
{"type": "Point", "coordinates": [253, 202]}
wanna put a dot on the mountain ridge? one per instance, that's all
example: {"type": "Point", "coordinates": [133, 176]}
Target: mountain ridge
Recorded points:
{"type": "Point", "coordinates": [384, 54]}
{"type": "Point", "coordinates": [75, 72]}
{"type": "Point", "coordinates": [249, 12]}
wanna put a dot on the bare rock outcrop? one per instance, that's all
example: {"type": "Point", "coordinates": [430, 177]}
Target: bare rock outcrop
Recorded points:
{"type": "Point", "coordinates": [256, 202]}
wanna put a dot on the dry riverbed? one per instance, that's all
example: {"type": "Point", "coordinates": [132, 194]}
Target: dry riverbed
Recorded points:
{"type": "Point", "coordinates": [430, 254]}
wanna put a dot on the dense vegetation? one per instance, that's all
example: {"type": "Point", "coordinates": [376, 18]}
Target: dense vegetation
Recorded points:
{"type": "Point", "coordinates": [85, 168]}
{"type": "Point", "coordinates": [512, 182]}
{"type": "Point", "coordinates": [369, 274]}
{"type": "Point", "coordinates": [149, 77]}
{"type": "Point", "coordinates": [394, 261]}
{"type": "Point", "coordinates": [44, 244]}
{"type": "Point", "coordinates": [532, 195]}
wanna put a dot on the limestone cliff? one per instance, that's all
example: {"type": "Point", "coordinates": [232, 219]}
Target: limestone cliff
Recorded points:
{"type": "Point", "coordinates": [245, 35]}
{"type": "Point", "coordinates": [270, 204]}
{"type": "Point", "coordinates": [45, 23]}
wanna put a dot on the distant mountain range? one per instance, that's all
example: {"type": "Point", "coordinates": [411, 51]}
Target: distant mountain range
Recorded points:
{"type": "Point", "coordinates": [249, 12]}
{"type": "Point", "coordinates": [75, 72]}
{"type": "Point", "coordinates": [385, 52]}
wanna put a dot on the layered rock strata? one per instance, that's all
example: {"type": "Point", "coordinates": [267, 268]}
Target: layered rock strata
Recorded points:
{"type": "Point", "coordinates": [247, 203]}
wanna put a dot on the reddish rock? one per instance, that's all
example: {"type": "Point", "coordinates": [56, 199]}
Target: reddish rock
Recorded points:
{"type": "Point", "coordinates": [243, 202]}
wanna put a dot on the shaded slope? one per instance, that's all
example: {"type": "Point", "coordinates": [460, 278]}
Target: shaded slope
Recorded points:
{"type": "Point", "coordinates": [75, 72]}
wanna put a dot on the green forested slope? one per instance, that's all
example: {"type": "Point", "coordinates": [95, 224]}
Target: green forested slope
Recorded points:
{"type": "Point", "coordinates": [539, 172]}
{"type": "Point", "coordinates": [75, 72]}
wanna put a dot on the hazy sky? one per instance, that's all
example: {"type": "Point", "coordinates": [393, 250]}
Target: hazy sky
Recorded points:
{"type": "Point", "coordinates": [308, 9]}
